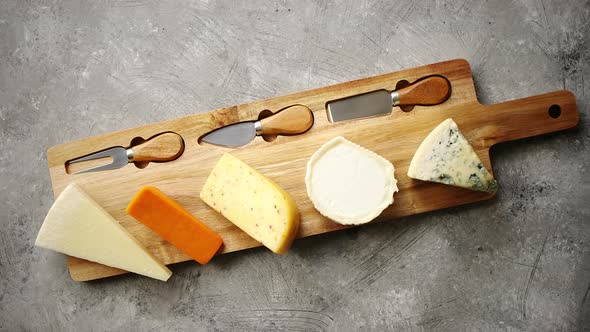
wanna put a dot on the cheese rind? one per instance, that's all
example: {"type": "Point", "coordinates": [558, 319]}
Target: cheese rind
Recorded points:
{"type": "Point", "coordinates": [348, 183]}
{"type": "Point", "coordinates": [255, 204]}
{"type": "Point", "coordinates": [445, 156]}
{"type": "Point", "coordinates": [78, 226]}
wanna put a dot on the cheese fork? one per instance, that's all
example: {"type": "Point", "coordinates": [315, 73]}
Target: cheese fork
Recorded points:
{"type": "Point", "coordinates": [160, 148]}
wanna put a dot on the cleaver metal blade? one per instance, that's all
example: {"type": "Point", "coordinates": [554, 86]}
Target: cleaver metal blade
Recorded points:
{"type": "Point", "coordinates": [370, 104]}
{"type": "Point", "coordinates": [427, 91]}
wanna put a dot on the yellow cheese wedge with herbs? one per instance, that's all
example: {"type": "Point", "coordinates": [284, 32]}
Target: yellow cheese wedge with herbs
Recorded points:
{"type": "Point", "coordinates": [445, 156]}
{"type": "Point", "coordinates": [252, 202]}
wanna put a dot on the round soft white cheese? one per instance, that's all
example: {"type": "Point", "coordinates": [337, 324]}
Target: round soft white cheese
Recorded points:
{"type": "Point", "coordinates": [348, 183]}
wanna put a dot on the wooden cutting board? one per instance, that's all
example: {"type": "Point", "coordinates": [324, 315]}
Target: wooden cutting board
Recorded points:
{"type": "Point", "coordinates": [395, 137]}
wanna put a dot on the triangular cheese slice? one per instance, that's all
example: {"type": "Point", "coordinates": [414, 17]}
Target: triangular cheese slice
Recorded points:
{"type": "Point", "coordinates": [77, 226]}
{"type": "Point", "coordinates": [445, 156]}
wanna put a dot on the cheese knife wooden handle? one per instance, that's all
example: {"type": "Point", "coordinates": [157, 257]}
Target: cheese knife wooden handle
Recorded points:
{"type": "Point", "coordinates": [431, 90]}
{"type": "Point", "coordinates": [292, 120]}
{"type": "Point", "coordinates": [163, 147]}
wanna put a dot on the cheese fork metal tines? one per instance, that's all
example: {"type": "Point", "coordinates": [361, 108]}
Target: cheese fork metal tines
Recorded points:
{"type": "Point", "coordinates": [163, 147]}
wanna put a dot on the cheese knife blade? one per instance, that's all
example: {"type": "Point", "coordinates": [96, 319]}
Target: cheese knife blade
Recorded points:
{"type": "Point", "coordinates": [430, 90]}
{"type": "Point", "coordinates": [233, 135]}
{"type": "Point", "coordinates": [292, 120]}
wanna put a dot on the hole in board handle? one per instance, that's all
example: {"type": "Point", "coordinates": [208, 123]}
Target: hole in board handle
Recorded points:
{"type": "Point", "coordinates": [554, 111]}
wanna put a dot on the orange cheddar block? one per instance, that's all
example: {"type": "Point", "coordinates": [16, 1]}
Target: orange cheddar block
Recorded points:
{"type": "Point", "coordinates": [172, 222]}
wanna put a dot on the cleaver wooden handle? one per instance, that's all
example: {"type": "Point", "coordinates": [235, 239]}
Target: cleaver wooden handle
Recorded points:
{"type": "Point", "coordinates": [427, 91]}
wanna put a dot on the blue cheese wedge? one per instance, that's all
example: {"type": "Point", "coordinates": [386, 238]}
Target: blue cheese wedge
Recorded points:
{"type": "Point", "coordinates": [445, 156]}
{"type": "Point", "coordinates": [348, 183]}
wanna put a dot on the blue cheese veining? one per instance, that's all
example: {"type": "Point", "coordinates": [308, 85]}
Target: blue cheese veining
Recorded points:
{"type": "Point", "coordinates": [348, 183]}
{"type": "Point", "coordinates": [445, 156]}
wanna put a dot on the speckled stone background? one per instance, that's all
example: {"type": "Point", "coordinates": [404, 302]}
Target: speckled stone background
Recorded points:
{"type": "Point", "coordinates": [70, 69]}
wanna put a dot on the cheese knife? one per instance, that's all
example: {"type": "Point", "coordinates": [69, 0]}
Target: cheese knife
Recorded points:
{"type": "Point", "coordinates": [427, 91]}
{"type": "Point", "coordinates": [292, 120]}
{"type": "Point", "coordinates": [162, 147]}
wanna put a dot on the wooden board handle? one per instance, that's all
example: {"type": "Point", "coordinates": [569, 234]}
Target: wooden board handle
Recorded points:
{"type": "Point", "coordinates": [162, 147]}
{"type": "Point", "coordinates": [527, 117]}
{"type": "Point", "coordinates": [431, 90]}
{"type": "Point", "coordinates": [292, 120]}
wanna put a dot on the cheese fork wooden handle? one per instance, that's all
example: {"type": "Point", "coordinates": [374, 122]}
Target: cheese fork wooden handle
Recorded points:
{"type": "Point", "coordinates": [292, 120]}
{"type": "Point", "coordinates": [431, 90]}
{"type": "Point", "coordinates": [162, 147]}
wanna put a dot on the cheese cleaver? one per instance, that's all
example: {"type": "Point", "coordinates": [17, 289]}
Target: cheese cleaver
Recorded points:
{"type": "Point", "coordinates": [430, 90]}
{"type": "Point", "coordinates": [292, 120]}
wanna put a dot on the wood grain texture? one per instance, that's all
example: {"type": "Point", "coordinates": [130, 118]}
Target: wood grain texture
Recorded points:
{"type": "Point", "coordinates": [431, 90]}
{"type": "Point", "coordinates": [163, 147]}
{"type": "Point", "coordinates": [395, 137]}
{"type": "Point", "coordinates": [293, 120]}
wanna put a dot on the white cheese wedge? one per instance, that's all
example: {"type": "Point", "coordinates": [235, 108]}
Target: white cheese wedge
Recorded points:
{"type": "Point", "coordinates": [348, 183]}
{"type": "Point", "coordinates": [445, 156]}
{"type": "Point", "coordinates": [77, 226]}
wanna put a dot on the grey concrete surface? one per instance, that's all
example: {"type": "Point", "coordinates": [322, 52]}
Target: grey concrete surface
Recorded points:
{"type": "Point", "coordinates": [70, 69]}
